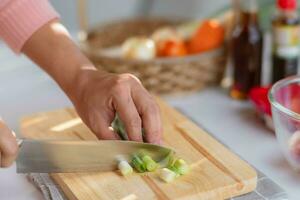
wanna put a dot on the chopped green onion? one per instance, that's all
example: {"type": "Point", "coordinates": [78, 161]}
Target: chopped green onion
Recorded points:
{"type": "Point", "coordinates": [119, 128]}
{"type": "Point", "coordinates": [172, 168]}
{"type": "Point", "coordinates": [150, 164]}
{"type": "Point", "coordinates": [168, 160]}
{"type": "Point", "coordinates": [144, 135]}
{"type": "Point", "coordinates": [181, 167]}
{"type": "Point", "coordinates": [167, 175]}
{"type": "Point", "coordinates": [138, 164]}
{"type": "Point", "coordinates": [125, 168]}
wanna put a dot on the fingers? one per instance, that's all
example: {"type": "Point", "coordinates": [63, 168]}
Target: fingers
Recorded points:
{"type": "Point", "coordinates": [137, 109]}
{"type": "Point", "coordinates": [122, 94]}
{"type": "Point", "coordinates": [129, 115]}
{"type": "Point", "coordinates": [151, 120]}
{"type": "Point", "coordinates": [101, 127]}
{"type": "Point", "coordinates": [150, 113]}
{"type": "Point", "coordinates": [152, 125]}
{"type": "Point", "coordinates": [8, 146]}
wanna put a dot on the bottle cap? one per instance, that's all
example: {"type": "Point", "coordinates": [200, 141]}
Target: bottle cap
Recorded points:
{"type": "Point", "coordinates": [287, 4]}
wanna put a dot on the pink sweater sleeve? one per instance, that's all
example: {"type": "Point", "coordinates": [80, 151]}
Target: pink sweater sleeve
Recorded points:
{"type": "Point", "coordinates": [19, 19]}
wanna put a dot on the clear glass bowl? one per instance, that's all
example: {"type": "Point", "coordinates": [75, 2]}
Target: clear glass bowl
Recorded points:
{"type": "Point", "coordinates": [284, 97]}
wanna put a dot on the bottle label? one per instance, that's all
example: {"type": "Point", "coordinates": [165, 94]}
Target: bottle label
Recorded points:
{"type": "Point", "coordinates": [286, 41]}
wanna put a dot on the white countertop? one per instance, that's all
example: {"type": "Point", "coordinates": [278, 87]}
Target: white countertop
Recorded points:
{"type": "Point", "coordinates": [25, 89]}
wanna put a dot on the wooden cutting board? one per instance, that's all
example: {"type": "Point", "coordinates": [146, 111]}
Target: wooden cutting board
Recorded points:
{"type": "Point", "coordinates": [216, 172]}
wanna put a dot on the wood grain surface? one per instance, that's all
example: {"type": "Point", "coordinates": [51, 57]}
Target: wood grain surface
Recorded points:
{"type": "Point", "coordinates": [216, 173]}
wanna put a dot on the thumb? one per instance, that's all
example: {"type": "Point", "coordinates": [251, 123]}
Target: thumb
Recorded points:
{"type": "Point", "coordinates": [8, 146]}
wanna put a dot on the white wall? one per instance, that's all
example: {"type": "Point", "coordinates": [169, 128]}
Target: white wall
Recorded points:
{"type": "Point", "coordinates": [105, 10]}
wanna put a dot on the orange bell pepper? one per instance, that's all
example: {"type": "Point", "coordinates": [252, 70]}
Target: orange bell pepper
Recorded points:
{"type": "Point", "coordinates": [210, 35]}
{"type": "Point", "coordinates": [171, 48]}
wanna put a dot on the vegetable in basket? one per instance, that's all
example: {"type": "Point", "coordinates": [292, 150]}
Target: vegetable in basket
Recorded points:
{"type": "Point", "coordinates": [210, 35]}
{"type": "Point", "coordinates": [171, 48]}
{"type": "Point", "coordinates": [139, 48]}
{"type": "Point", "coordinates": [168, 43]}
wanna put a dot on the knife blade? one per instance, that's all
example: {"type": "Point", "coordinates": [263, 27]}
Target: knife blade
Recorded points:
{"type": "Point", "coordinates": [53, 156]}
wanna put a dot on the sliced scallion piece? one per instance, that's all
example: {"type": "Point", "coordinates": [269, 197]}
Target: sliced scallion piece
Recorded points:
{"type": "Point", "coordinates": [167, 175]}
{"type": "Point", "coordinates": [125, 168]}
{"type": "Point", "coordinates": [168, 160]}
{"type": "Point", "coordinates": [172, 168]}
{"type": "Point", "coordinates": [149, 163]}
{"type": "Point", "coordinates": [138, 164]}
{"type": "Point", "coordinates": [181, 167]}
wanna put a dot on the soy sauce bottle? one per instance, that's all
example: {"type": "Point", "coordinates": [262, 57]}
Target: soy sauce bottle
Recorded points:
{"type": "Point", "coordinates": [286, 33]}
{"type": "Point", "coordinates": [246, 49]}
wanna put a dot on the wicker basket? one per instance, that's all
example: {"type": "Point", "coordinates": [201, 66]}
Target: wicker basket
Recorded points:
{"type": "Point", "coordinates": [161, 75]}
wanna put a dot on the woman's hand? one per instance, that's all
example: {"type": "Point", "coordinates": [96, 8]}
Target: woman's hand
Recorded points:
{"type": "Point", "coordinates": [98, 96]}
{"type": "Point", "coordinates": [8, 146]}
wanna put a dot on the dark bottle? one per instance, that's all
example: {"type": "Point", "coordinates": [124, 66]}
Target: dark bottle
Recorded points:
{"type": "Point", "coordinates": [246, 49]}
{"type": "Point", "coordinates": [286, 33]}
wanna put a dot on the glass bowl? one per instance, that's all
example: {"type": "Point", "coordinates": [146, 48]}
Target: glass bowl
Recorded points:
{"type": "Point", "coordinates": [284, 97]}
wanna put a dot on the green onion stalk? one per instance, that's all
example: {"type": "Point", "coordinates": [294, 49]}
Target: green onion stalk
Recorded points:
{"type": "Point", "coordinates": [138, 164]}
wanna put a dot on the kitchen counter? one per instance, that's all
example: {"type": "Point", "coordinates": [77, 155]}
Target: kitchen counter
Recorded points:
{"type": "Point", "coordinates": [26, 89]}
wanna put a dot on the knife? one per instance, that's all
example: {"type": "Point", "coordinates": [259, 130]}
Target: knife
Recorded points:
{"type": "Point", "coordinates": [53, 156]}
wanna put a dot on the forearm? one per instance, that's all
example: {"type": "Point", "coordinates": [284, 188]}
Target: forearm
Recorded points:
{"type": "Point", "coordinates": [53, 50]}
{"type": "Point", "coordinates": [96, 95]}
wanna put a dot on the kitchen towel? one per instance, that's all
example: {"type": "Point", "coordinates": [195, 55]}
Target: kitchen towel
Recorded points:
{"type": "Point", "coordinates": [49, 189]}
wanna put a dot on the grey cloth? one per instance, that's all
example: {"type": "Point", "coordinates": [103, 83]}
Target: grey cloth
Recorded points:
{"type": "Point", "coordinates": [49, 189]}
{"type": "Point", "coordinates": [266, 188]}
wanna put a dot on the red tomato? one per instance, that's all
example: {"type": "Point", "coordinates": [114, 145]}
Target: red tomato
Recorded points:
{"type": "Point", "coordinates": [259, 97]}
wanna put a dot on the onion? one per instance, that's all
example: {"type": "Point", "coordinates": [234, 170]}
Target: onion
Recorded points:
{"type": "Point", "coordinates": [167, 175]}
{"type": "Point", "coordinates": [139, 48]}
{"type": "Point", "coordinates": [125, 168]}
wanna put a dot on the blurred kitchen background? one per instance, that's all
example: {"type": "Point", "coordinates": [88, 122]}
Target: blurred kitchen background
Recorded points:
{"type": "Point", "coordinates": [103, 11]}
{"type": "Point", "coordinates": [171, 76]}
{"type": "Point", "coordinates": [245, 126]}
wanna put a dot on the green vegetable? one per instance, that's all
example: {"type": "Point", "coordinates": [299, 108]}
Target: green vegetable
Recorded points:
{"type": "Point", "coordinates": [119, 128]}
{"type": "Point", "coordinates": [180, 167]}
{"type": "Point", "coordinates": [142, 162]}
{"type": "Point", "coordinates": [168, 160]}
{"type": "Point", "coordinates": [173, 169]}
{"type": "Point", "coordinates": [125, 168]}
{"type": "Point", "coordinates": [138, 164]}
{"type": "Point", "coordinates": [167, 175]}
{"type": "Point", "coordinates": [150, 164]}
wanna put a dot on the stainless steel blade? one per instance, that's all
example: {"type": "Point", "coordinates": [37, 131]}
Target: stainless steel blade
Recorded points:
{"type": "Point", "coordinates": [52, 156]}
